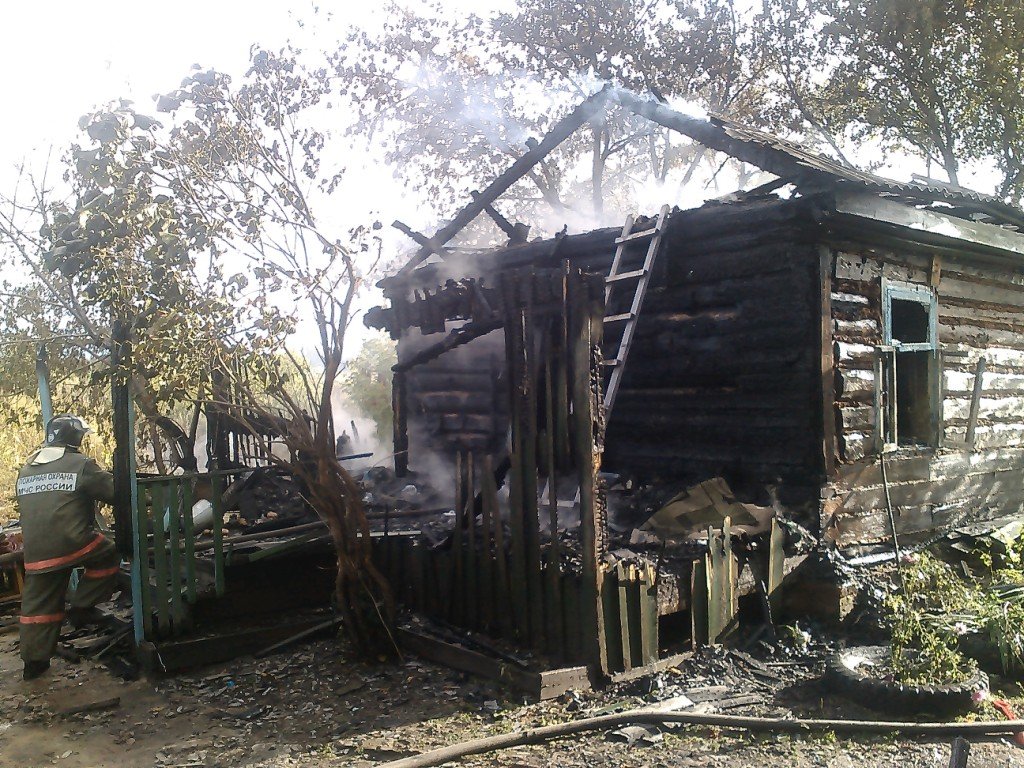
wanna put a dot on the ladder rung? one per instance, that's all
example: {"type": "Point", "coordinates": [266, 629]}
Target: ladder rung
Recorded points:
{"type": "Point", "coordinates": [611, 363]}
{"type": "Point", "coordinates": [633, 275]}
{"type": "Point", "coordinates": [619, 318]}
{"type": "Point", "coordinates": [636, 236]}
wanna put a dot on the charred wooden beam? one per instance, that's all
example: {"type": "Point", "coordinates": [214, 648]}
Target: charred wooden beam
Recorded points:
{"type": "Point", "coordinates": [456, 338]}
{"type": "Point", "coordinates": [562, 130]}
{"type": "Point", "coordinates": [428, 243]}
{"type": "Point", "coordinates": [517, 233]}
{"type": "Point", "coordinates": [712, 136]}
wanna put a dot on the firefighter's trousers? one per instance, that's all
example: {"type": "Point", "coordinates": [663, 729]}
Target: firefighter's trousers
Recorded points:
{"type": "Point", "coordinates": [42, 598]}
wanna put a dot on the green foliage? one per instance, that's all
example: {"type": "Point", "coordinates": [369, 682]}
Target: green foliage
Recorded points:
{"type": "Point", "coordinates": [937, 78]}
{"type": "Point", "coordinates": [367, 381]}
{"type": "Point", "coordinates": [22, 426]}
{"type": "Point", "coordinates": [455, 97]}
{"type": "Point", "coordinates": [938, 608]}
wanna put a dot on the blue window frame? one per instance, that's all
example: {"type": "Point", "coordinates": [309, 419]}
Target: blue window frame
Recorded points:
{"type": "Point", "coordinates": [908, 371]}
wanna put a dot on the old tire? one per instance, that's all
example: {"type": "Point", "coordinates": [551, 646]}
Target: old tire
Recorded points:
{"type": "Point", "coordinates": [846, 673]}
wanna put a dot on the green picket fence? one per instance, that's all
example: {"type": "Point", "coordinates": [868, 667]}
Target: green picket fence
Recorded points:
{"type": "Point", "coordinates": [181, 564]}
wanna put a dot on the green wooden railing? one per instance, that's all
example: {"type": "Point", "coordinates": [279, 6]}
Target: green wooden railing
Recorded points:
{"type": "Point", "coordinates": [175, 570]}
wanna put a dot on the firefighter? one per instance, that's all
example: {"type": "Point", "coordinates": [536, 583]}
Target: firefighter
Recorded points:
{"type": "Point", "coordinates": [57, 493]}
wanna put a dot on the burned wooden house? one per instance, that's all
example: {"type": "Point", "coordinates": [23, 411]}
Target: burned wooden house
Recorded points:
{"type": "Point", "coordinates": [846, 356]}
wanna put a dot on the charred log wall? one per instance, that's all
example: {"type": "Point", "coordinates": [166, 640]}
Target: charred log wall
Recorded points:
{"type": "Point", "coordinates": [980, 315]}
{"type": "Point", "coordinates": [722, 376]}
{"type": "Point", "coordinates": [457, 402]}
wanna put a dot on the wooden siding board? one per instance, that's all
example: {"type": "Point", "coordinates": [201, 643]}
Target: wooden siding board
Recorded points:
{"type": "Point", "coordinates": [980, 315]}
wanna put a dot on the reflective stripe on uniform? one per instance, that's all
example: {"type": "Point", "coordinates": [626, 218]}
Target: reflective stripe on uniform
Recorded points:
{"type": "Point", "coordinates": [39, 565]}
{"type": "Point", "coordinates": [99, 573]}
{"type": "Point", "coordinates": [48, 618]}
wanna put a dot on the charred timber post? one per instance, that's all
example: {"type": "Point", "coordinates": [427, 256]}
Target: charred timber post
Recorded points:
{"type": "Point", "coordinates": [124, 443]}
{"type": "Point", "coordinates": [827, 392]}
{"type": "Point", "coordinates": [518, 585]}
{"type": "Point", "coordinates": [527, 390]}
{"type": "Point", "coordinates": [586, 313]}
{"type": "Point", "coordinates": [562, 130]}
{"type": "Point", "coordinates": [400, 429]}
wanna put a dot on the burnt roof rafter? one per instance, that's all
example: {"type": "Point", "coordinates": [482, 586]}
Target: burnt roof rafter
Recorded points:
{"type": "Point", "coordinates": [790, 161]}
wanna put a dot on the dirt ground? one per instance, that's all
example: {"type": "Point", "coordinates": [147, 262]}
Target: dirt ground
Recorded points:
{"type": "Point", "coordinates": [313, 707]}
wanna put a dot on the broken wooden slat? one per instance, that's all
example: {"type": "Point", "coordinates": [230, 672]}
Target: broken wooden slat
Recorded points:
{"type": "Point", "coordinates": [190, 541]}
{"type": "Point", "coordinates": [458, 589]}
{"type": "Point", "coordinates": [553, 603]}
{"type": "Point", "coordinates": [716, 579]}
{"type": "Point", "coordinates": [456, 338]}
{"type": "Point", "coordinates": [515, 234]}
{"type": "Point", "coordinates": [485, 592]}
{"type": "Point", "coordinates": [562, 393]}
{"type": "Point", "coordinates": [776, 565]}
{"type": "Point", "coordinates": [160, 596]}
{"type": "Point", "coordinates": [540, 685]}
{"type": "Point", "coordinates": [427, 243]}
{"type": "Point", "coordinates": [624, 577]}
{"type": "Point", "coordinates": [519, 582]}
{"type": "Point", "coordinates": [699, 602]}
{"type": "Point", "coordinates": [142, 561]}
{"type": "Point", "coordinates": [827, 388]}
{"type": "Point", "coordinates": [444, 570]}
{"type": "Point", "coordinates": [526, 389]}
{"type": "Point", "coordinates": [972, 419]}
{"type": "Point", "coordinates": [217, 500]}
{"type": "Point", "coordinates": [175, 498]}
{"type": "Point", "coordinates": [502, 598]}
{"type": "Point", "coordinates": [174, 655]}
{"type": "Point", "coordinates": [649, 615]}
{"type": "Point", "coordinates": [612, 640]}
{"type": "Point", "coordinates": [472, 573]}
{"type": "Point", "coordinates": [572, 623]}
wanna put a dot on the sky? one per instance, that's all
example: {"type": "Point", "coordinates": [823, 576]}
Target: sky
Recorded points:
{"type": "Point", "coordinates": [62, 59]}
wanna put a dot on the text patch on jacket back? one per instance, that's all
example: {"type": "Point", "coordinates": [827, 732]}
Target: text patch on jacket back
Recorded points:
{"type": "Point", "coordinates": [51, 481]}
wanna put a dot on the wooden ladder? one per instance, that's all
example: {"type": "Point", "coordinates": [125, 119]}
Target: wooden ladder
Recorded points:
{"type": "Point", "coordinates": [619, 329]}
{"type": "Point", "coordinates": [625, 270]}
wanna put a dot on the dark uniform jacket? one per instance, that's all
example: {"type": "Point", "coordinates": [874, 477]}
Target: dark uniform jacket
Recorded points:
{"type": "Point", "coordinates": [57, 494]}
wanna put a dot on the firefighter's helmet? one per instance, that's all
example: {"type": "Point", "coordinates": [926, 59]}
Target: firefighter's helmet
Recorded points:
{"type": "Point", "coordinates": [66, 430]}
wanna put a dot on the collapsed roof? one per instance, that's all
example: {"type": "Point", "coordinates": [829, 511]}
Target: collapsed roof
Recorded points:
{"type": "Point", "coordinates": [790, 161]}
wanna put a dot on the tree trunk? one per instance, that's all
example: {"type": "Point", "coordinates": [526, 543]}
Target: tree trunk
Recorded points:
{"type": "Point", "coordinates": [597, 171]}
{"type": "Point", "coordinates": [181, 446]}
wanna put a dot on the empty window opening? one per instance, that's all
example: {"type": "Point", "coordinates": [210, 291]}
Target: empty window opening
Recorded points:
{"type": "Point", "coordinates": [908, 367]}
{"type": "Point", "coordinates": [910, 322]}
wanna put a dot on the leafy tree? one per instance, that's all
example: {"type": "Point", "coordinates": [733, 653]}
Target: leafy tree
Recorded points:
{"type": "Point", "coordinates": [367, 381]}
{"type": "Point", "coordinates": [111, 243]}
{"type": "Point", "coordinates": [456, 98]}
{"type": "Point", "coordinates": [205, 239]}
{"type": "Point", "coordinates": [248, 158]}
{"type": "Point", "coordinates": [937, 78]}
